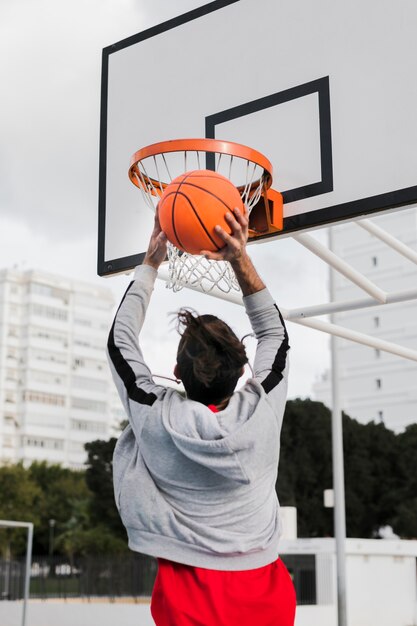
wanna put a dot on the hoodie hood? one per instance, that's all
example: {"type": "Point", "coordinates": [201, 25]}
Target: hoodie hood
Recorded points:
{"type": "Point", "coordinates": [223, 441]}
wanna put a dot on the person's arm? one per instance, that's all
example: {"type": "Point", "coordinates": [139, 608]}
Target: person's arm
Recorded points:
{"type": "Point", "coordinates": [271, 360]}
{"type": "Point", "coordinates": [132, 376]}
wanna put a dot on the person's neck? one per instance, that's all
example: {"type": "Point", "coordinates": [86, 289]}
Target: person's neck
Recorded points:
{"type": "Point", "coordinates": [222, 405]}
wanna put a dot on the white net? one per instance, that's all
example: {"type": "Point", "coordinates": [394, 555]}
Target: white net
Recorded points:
{"type": "Point", "coordinates": [153, 173]}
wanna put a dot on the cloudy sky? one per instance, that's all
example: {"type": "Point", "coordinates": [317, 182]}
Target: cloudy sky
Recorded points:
{"type": "Point", "coordinates": [50, 70]}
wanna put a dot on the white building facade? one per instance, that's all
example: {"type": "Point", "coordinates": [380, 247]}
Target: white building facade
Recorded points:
{"type": "Point", "coordinates": [56, 392]}
{"type": "Point", "coordinates": [375, 385]}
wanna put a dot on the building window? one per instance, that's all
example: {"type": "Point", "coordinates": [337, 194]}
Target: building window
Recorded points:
{"type": "Point", "coordinates": [44, 398]}
{"type": "Point", "coordinates": [11, 375]}
{"type": "Point", "coordinates": [87, 342]}
{"type": "Point", "coordinates": [86, 425]}
{"type": "Point", "coordinates": [47, 378]}
{"type": "Point", "coordinates": [88, 405]}
{"type": "Point", "coordinates": [42, 333]}
{"type": "Point", "coordinates": [40, 289]}
{"type": "Point", "coordinates": [378, 383]}
{"type": "Point", "coordinates": [87, 363]}
{"type": "Point", "coordinates": [83, 321]}
{"type": "Point", "coordinates": [89, 383]}
{"type": "Point", "coordinates": [50, 292]}
{"type": "Point", "coordinates": [52, 444]}
{"type": "Point", "coordinates": [49, 312]}
{"type": "Point", "coordinates": [54, 357]}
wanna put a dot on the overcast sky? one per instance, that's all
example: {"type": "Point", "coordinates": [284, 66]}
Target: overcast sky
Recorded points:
{"type": "Point", "coordinates": [50, 70]}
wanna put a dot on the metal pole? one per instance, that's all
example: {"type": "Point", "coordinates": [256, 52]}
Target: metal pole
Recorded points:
{"type": "Point", "coordinates": [338, 471]}
{"type": "Point", "coordinates": [27, 572]}
{"type": "Point", "coordinates": [327, 255]}
{"type": "Point", "coordinates": [353, 335]}
{"type": "Point", "coordinates": [51, 537]}
{"type": "Point", "coordinates": [387, 238]}
{"type": "Point", "coordinates": [350, 305]}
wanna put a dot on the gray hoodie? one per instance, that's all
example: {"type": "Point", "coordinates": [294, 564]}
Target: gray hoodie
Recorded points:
{"type": "Point", "coordinates": [193, 486]}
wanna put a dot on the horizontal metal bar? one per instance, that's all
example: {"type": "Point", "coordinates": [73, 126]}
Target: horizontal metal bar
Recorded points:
{"type": "Point", "coordinates": [349, 305]}
{"type": "Point", "coordinates": [326, 327]}
{"type": "Point", "coordinates": [7, 523]}
{"type": "Point", "coordinates": [353, 335]}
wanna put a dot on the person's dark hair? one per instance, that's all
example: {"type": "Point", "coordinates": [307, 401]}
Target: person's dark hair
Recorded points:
{"type": "Point", "coordinates": [210, 357]}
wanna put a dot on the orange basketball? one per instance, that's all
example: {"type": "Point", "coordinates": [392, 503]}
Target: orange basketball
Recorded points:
{"type": "Point", "coordinates": [192, 205]}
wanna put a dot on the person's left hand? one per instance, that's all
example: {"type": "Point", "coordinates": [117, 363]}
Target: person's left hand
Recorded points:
{"type": "Point", "coordinates": [157, 248]}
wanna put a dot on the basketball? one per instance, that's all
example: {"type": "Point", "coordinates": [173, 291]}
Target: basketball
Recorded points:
{"type": "Point", "coordinates": [192, 205]}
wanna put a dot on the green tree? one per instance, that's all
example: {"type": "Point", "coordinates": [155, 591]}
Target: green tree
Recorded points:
{"type": "Point", "coordinates": [98, 540]}
{"type": "Point", "coordinates": [305, 468]}
{"type": "Point", "coordinates": [375, 476]}
{"type": "Point", "coordinates": [405, 516]}
{"type": "Point", "coordinates": [63, 490]}
{"type": "Point", "coordinates": [20, 500]}
{"type": "Point", "coordinates": [99, 478]}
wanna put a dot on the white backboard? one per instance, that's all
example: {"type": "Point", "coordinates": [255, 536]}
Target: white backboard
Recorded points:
{"type": "Point", "coordinates": [325, 89]}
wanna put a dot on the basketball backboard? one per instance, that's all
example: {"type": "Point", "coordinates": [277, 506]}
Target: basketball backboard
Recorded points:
{"type": "Point", "coordinates": [324, 89]}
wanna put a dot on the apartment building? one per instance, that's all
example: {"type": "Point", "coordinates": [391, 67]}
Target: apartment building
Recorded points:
{"type": "Point", "coordinates": [56, 392]}
{"type": "Point", "coordinates": [375, 385]}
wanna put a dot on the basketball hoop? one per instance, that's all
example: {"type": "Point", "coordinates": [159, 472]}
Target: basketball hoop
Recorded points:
{"type": "Point", "coordinates": [154, 167]}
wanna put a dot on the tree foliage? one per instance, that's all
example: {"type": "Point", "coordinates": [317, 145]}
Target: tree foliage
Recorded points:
{"type": "Point", "coordinates": [305, 468]}
{"type": "Point", "coordinates": [20, 501]}
{"type": "Point", "coordinates": [62, 491]}
{"type": "Point", "coordinates": [380, 484]}
{"type": "Point", "coordinates": [99, 479]}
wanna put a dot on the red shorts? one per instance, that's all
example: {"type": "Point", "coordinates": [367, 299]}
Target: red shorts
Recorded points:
{"type": "Point", "coordinates": [193, 596]}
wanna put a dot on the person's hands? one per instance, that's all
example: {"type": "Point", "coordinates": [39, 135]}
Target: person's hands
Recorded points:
{"type": "Point", "coordinates": [234, 249]}
{"type": "Point", "coordinates": [235, 252]}
{"type": "Point", "coordinates": [157, 248]}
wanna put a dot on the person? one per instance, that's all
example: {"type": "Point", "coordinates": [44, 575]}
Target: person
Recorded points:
{"type": "Point", "coordinates": [194, 476]}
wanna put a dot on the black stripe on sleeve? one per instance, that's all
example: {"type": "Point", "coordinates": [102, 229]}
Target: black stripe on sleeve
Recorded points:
{"type": "Point", "coordinates": [124, 370]}
{"type": "Point", "coordinates": [275, 375]}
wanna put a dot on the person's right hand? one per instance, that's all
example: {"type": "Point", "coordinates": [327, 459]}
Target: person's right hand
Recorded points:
{"type": "Point", "coordinates": [234, 249]}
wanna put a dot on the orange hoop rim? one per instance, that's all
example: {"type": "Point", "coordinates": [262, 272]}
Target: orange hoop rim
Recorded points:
{"type": "Point", "coordinates": [201, 145]}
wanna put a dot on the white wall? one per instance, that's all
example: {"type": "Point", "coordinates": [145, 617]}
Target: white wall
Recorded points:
{"type": "Point", "coordinates": [381, 582]}
{"type": "Point", "coordinates": [52, 613]}
{"type": "Point", "coordinates": [381, 590]}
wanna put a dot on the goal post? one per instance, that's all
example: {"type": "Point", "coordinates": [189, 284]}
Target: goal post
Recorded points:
{"type": "Point", "coordinates": [28, 564]}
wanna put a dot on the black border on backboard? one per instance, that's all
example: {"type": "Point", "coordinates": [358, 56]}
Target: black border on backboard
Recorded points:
{"type": "Point", "coordinates": [319, 86]}
{"type": "Point", "coordinates": [312, 219]}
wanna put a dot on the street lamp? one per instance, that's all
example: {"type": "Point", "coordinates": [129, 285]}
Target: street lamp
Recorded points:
{"type": "Point", "coordinates": [51, 536]}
